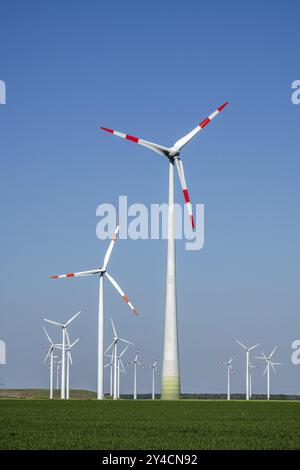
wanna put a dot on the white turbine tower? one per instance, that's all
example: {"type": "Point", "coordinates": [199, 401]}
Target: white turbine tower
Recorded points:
{"type": "Point", "coordinates": [154, 371]}
{"type": "Point", "coordinates": [68, 348]}
{"type": "Point", "coordinates": [135, 363]}
{"type": "Point", "coordinates": [251, 367]}
{"type": "Point", "coordinates": [229, 371]}
{"type": "Point", "coordinates": [111, 370]}
{"type": "Point", "coordinates": [121, 368]}
{"type": "Point", "coordinates": [114, 346]}
{"type": "Point", "coordinates": [51, 356]}
{"type": "Point", "coordinates": [170, 375]}
{"type": "Point", "coordinates": [101, 272]}
{"type": "Point", "coordinates": [267, 369]}
{"type": "Point", "coordinates": [58, 370]}
{"type": "Point", "coordinates": [63, 347]}
{"type": "Point", "coordinates": [247, 364]}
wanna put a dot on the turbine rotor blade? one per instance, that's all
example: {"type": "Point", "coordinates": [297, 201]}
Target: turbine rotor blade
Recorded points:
{"type": "Point", "coordinates": [186, 138]}
{"type": "Point", "coordinates": [110, 248]}
{"type": "Point", "coordinates": [72, 318]}
{"type": "Point", "coordinates": [273, 352]}
{"type": "Point", "coordinates": [241, 344]}
{"type": "Point", "coordinates": [113, 327]}
{"type": "Point", "coordinates": [122, 294]}
{"type": "Point", "coordinates": [46, 333]}
{"type": "Point", "coordinates": [53, 322]}
{"type": "Point", "coordinates": [146, 143]}
{"type": "Point", "coordinates": [255, 346]}
{"type": "Point", "coordinates": [180, 170]}
{"type": "Point", "coordinates": [79, 274]}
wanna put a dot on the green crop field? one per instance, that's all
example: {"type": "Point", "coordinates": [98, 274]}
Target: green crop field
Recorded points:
{"type": "Point", "coordinates": [144, 424]}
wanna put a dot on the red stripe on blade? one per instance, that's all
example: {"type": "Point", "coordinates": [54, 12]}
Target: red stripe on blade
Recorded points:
{"type": "Point", "coordinates": [133, 139]}
{"type": "Point", "coordinates": [70, 275]}
{"type": "Point", "coordinates": [53, 277]}
{"type": "Point", "coordinates": [107, 130]}
{"type": "Point", "coordinates": [186, 195]}
{"type": "Point", "coordinates": [193, 222]}
{"type": "Point", "coordinates": [223, 106]}
{"type": "Point", "coordinates": [204, 123]}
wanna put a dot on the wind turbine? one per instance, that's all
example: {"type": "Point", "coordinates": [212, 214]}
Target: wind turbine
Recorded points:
{"type": "Point", "coordinates": [247, 364]}
{"type": "Point", "coordinates": [170, 375]}
{"type": "Point", "coordinates": [63, 347]}
{"type": "Point", "coordinates": [229, 371]}
{"type": "Point", "coordinates": [114, 345]}
{"type": "Point", "coordinates": [50, 353]}
{"type": "Point", "coordinates": [135, 363]}
{"type": "Point", "coordinates": [154, 371]}
{"type": "Point", "coordinates": [267, 369]}
{"type": "Point", "coordinates": [101, 272]}
{"type": "Point", "coordinates": [69, 360]}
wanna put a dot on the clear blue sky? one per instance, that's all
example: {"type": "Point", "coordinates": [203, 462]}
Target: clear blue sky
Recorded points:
{"type": "Point", "coordinates": [153, 69]}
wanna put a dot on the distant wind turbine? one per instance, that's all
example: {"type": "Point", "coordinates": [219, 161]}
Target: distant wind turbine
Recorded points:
{"type": "Point", "coordinates": [267, 369]}
{"type": "Point", "coordinates": [247, 364]}
{"type": "Point", "coordinates": [101, 272]}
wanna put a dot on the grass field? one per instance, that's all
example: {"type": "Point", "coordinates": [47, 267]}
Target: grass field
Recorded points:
{"type": "Point", "coordinates": [88, 424]}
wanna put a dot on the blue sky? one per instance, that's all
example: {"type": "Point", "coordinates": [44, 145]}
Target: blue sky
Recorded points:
{"type": "Point", "coordinates": [153, 70]}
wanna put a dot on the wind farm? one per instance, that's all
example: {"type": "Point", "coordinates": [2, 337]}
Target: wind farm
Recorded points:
{"type": "Point", "coordinates": [149, 155]}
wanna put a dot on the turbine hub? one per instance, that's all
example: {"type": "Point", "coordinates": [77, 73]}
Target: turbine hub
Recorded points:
{"type": "Point", "coordinates": [174, 152]}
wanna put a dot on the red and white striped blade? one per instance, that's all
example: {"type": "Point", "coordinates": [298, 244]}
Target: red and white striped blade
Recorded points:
{"type": "Point", "coordinates": [146, 143]}
{"type": "Point", "coordinates": [185, 139]}
{"type": "Point", "coordinates": [188, 204]}
{"type": "Point", "coordinates": [122, 294]}
{"type": "Point", "coordinates": [110, 248]}
{"type": "Point", "coordinates": [81, 273]}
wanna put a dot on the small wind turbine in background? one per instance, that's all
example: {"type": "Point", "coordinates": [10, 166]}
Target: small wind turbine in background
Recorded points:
{"type": "Point", "coordinates": [63, 347]}
{"type": "Point", "coordinates": [69, 359]}
{"type": "Point", "coordinates": [50, 355]}
{"type": "Point", "coordinates": [114, 346]}
{"type": "Point", "coordinates": [267, 369]}
{"type": "Point", "coordinates": [154, 372]}
{"type": "Point", "coordinates": [247, 364]}
{"type": "Point", "coordinates": [135, 363]}
{"type": "Point", "coordinates": [229, 372]}
{"type": "Point", "coordinates": [101, 272]}
{"type": "Point", "coordinates": [251, 367]}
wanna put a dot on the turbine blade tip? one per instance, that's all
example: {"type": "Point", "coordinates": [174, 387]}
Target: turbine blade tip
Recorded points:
{"type": "Point", "coordinates": [223, 106]}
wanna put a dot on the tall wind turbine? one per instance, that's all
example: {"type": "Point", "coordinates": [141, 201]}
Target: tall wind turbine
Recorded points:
{"type": "Point", "coordinates": [63, 347]}
{"type": "Point", "coordinates": [229, 372]}
{"type": "Point", "coordinates": [101, 272]}
{"type": "Point", "coordinates": [114, 346]}
{"type": "Point", "coordinates": [247, 364]}
{"type": "Point", "coordinates": [50, 355]}
{"type": "Point", "coordinates": [267, 369]}
{"type": "Point", "coordinates": [170, 375]}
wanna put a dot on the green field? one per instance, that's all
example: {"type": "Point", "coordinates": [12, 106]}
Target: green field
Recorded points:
{"type": "Point", "coordinates": [125, 424]}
